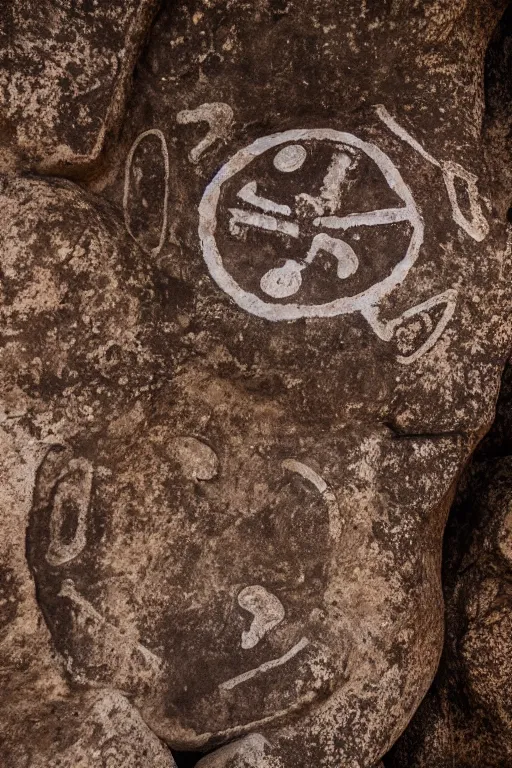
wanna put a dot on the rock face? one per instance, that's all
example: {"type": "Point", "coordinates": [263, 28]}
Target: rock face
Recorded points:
{"type": "Point", "coordinates": [465, 720]}
{"type": "Point", "coordinates": [66, 70]}
{"type": "Point", "coordinates": [244, 380]}
{"type": "Point", "coordinates": [99, 728]}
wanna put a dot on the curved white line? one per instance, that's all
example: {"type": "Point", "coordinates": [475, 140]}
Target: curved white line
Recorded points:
{"type": "Point", "coordinates": [229, 684]}
{"type": "Point", "coordinates": [450, 298]}
{"type": "Point", "coordinates": [165, 154]}
{"type": "Point", "coordinates": [330, 499]}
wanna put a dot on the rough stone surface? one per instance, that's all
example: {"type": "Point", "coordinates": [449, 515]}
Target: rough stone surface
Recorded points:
{"type": "Point", "coordinates": [465, 720]}
{"type": "Point", "coordinates": [65, 71]}
{"type": "Point", "coordinates": [240, 384]}
{"type": "Point", "coordinates": [94, 729]}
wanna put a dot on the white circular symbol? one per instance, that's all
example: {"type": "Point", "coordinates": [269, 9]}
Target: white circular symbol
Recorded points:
{"type": "Point", "coordinates": [291, 158]}
{"type": "Point", "coordinates": [286, 279]}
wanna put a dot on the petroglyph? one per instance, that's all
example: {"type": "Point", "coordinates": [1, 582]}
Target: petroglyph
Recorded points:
{"type": "Point", "coordinates": [477, 227]}
{"type": "Point", "coordinates": [266, 667]}
{"type": "Point", "coordinates": [132, 180]}
{"type": "Point", "coordinates": [73, 493]}
{"type": "Point", "coordinates": [335, 521]}
{"type": "Point", "coordinates": [69, 591]}
{"type": "Point", "coordinates": [220, 119]}
{"type": "Point", "coordinates": [267, 610]}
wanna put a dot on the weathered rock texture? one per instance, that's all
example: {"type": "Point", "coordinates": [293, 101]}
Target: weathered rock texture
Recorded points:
{"type": "Point", "coordinates": [65, 71]}
{"type": "Point", "coordinates": [466, 719]}
{"type": "Point", "coordinates": [241, 384]}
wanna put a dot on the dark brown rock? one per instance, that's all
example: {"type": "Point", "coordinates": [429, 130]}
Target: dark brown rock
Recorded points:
{"type": "Point", "coordinates": [66, 71]}
{"type": "Point", "coordinates": [465, 719]}
{"type": "Point", "coordinates": [236, 518]}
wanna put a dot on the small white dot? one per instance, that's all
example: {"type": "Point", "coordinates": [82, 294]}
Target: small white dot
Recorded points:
{"type": "Point", "coordinates": [290, 158]}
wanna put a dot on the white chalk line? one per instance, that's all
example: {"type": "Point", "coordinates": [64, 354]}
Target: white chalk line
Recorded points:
{"type": "Point", "coordinates": [127, 182]}
{"type": "Point", "coordinates": [268, 665]}
{"type": "Point", "coordinates": [249, 195]}
{"type": "Point", "coordinates": [267, 611]}
{"type": "Point", "coordinates": [292, 465]}
{"type": "Point", "coordinates": [478, 228]}
{"type": "Point", "coordinates": [368, 219]}
{"type": "Point", "coordinates": [69, 590]}
{"type": "Point", "coordinates": [220, 119]}
{"type": "Point", "coordinates": [239, 217]}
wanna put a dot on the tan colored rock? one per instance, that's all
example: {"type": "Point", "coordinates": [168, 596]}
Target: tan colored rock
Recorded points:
{"type": "Point", "coordinates": [250, 405]}
{"type": "Point", "coordinates": [66, 71]}
{"type": "Point", "coordinates": [465, 719]}
{"type": "Point", "coordinates": [98, 728]}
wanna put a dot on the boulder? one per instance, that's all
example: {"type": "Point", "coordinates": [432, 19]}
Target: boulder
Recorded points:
{"type": "Point", "coordinates": [465, 719]}
{"type": "Point", "coordinates": [66, 72]}
{"type": "Point", "coordinates": [298, 272]}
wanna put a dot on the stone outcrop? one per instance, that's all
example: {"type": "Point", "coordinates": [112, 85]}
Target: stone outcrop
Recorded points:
{"type": "Point", "coordinates": [465, 719]}
{"type": "Point", "coordinates": [65, 73]}
{"type": "Point", "coordinates": [243, 367]}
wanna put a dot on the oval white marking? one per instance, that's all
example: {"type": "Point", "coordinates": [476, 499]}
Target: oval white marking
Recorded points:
{"type": "Point", "coordinates": [291, 158]}
{"type": "Point", "coordinates": [127, 183]}
{"type": "Point", "coordinates": [282, 281]}
{"type": "Point", "coordinates": [73, 488]}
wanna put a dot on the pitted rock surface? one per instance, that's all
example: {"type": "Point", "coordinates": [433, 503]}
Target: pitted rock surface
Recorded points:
{"type": "Point", "coordinates": [66, 71]}
{"type": "Point", "coordinates": [465, 719]}
{"type": "Point", "coordinates": [99, 728]}
{"type": "Point", "coordinates": [246, 374]}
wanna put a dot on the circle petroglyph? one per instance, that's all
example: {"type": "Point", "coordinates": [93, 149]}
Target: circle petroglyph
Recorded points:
{"type": "Point", "coordinates": [290, 158]}
{"type": "Point", "coordinates": [309, 223]}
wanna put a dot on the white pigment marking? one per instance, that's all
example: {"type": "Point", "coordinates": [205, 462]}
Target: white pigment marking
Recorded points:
{"type": "Point", "coordinates": [268, 665]}
{"type": "Point", "coordinates": [334, 179]}
{"type": "Point", "coordinates": [292, 465]}
{"type": "Point", "coordinates": [69, 590]}
{"type": "Point", "coordinates": [330, 194]}
{"type": "Point", "coordinates": [290, 158]}
{"type": "Point", "coordinates": [284, 281]}
{"type": "Point", "coordinates": [198, 461]}
{"type": "Point", "coordinates": [220, 119]}
{"type": "Point", "coordinates": [267, 610]}
{"type": "Point", "coordinates": [397, 129]}
{"type": "Point", "coordinates": [73, 488]}
{"type": "Point", "coordinates": [239, 218]}
{"type": "Point", "coordinates": [249, 195]}
{"type": "Point", "coordinates": [370, 219]}
{"type": "Point", "coordinates": [449, 298]}
{"type": "Point", "coordinates": [478, 226]}
{"type": "Point", "coordinates": [344, 254]}
{"type": "Point", "coordinates": [386, 329]}
{"type": "Point", "coordinates": [127, 181]}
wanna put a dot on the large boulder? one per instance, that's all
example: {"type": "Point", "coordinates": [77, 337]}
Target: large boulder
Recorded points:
{"type": "Point", "coordinates": [240, 527]}
{"type": "Point", "coordinates": [465, 719]}
{"type": "Point", "coordinates": [66, 71]}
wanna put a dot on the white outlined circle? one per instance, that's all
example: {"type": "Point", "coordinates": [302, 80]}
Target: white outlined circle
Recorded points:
{"type": "Point", "coordinates": [272, 311]}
